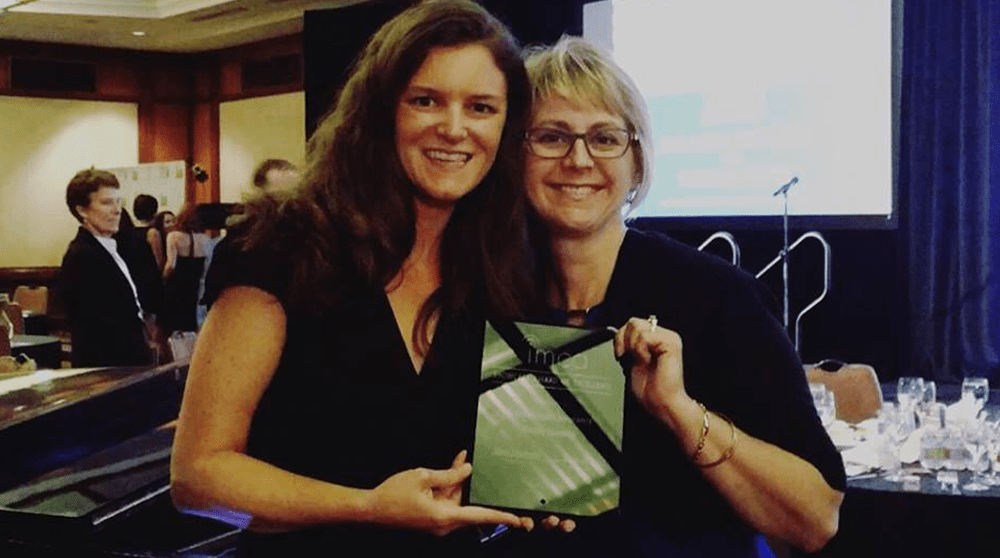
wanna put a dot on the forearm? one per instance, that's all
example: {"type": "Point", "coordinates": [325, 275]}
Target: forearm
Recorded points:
{"type": "Point", "coordinates": [276, 499]}
{"type": "Point", "coordinates": [775, 491]}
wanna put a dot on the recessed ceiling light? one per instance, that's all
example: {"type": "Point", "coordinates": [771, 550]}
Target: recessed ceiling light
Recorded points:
{"type": "Point", "coordinates": [139, 33]}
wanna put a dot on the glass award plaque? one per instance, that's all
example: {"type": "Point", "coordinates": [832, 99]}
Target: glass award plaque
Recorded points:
{"type": "Point", "coordinates": [548, 436]}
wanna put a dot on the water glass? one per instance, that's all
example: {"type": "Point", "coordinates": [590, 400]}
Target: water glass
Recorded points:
{"type": "Point", "coordinates": [978, 389]}
{"type": "Point", "coordinates": [929, 394]}
{"type": "Point", "coordinates": [826, 405]}
{"type": "Point", "coordinates": [931, 415]}
{"type": "Point", "coordinates": [909, 390]}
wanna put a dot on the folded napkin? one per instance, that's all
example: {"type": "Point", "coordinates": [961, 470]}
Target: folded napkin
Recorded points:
{"type": "Point", "coordinates": [962, 411]}
{"type": "Point", "coordinates": [864, 457]}
{"type": "Point", "coordinates": [876, 452]}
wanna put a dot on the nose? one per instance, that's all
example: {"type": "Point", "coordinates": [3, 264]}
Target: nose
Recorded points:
{"type": "Point", "coordinates": [579, 156]}
{"type": "Point", "coordinates": [452, 126]}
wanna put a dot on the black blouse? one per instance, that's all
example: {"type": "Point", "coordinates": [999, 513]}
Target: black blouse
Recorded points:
{"type": "Point", "coordinates": [737, 360]}
{"type": "Point", "coordinates": [346, 406]}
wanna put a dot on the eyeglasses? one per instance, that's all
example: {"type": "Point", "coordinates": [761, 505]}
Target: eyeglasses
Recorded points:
{"type": "Point", "coordinates": [603, 143]}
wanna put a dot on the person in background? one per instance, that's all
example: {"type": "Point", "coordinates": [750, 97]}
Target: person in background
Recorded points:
{"type": "Point", "coordinates": [141, 242]}
{"type": "Point", "coordinates": [721, 438]}
{"type": "Point", "coordinates": [273, 175]}
{"type": "Point", "coordinates": [187, 246]}
{"type": "Point", "coordinates": [332, 391]}
{"type": "Point", "coordinates": [163, 223]}
{"type": "Point", "coordinates": [100, 296]}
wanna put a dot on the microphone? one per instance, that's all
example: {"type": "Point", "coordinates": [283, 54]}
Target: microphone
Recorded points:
{"type": "Point", "coordinates": [785, 187]}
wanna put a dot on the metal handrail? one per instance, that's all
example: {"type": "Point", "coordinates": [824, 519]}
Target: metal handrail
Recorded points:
{"type": "Point", "coordinates": [728, 238]}
{"type": "Point", "coordinates": [826, 277]}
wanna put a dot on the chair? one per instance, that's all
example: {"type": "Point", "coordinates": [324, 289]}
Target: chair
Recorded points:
{"type": "Point", "coordinates": [16, 317]}
{"type": "Point", "coordinates": [34, 299]}
{"type": "Point", "coordinates": [856, 390]}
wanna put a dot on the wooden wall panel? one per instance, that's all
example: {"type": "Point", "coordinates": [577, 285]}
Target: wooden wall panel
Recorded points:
{"type": "Point", "coordinates": [118, 78]}
{"type": "Point", "coordinates": [170, 78]}
{"type": "Point", "coordinates": [164, 131]}
{"type": "Point", "coordinates": [230, 79]}
{"type": "Point", "coordinates": [205, 149]}
{"type": "Point", "coordinates": [4, 72]}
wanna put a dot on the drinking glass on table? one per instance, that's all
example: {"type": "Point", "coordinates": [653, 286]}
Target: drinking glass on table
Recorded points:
{"type": "Point", "coordinates": [929, 394]}
{"type": "Point", "coordinates": [826, 405]}
{"type": "Point", "coordinates": [909, 392]}
{"type": "Point", "coordinates": [992, 451]}
{"type": "Point", "coordinates": [976, 438]}
{"type": "Point", "coordinates": [978, 389]}
{"type": "Point", "coordinates": [895, 424]}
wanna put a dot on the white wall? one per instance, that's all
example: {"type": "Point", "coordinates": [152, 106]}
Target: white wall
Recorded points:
{"type": "Point", "coordinates": [251, 130]}
{"type": "Point", "coordinates": [43, 143]}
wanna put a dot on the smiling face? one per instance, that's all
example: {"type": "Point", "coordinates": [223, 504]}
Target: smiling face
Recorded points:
{"type": "Point", "coordinates": [449, 122]}
{"type": "Point", "coordinates": [577, 195]}
{"type": "Point", "coordinates": [104, 212]}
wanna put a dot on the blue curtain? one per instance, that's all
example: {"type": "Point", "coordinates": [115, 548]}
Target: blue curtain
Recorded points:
{"type": "Point", "coordinates": [949, 226]}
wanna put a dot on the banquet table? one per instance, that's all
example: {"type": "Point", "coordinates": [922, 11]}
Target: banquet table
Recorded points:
{"type": "Point", "coordinates": [46, 350]}
{"type": "Point", "coordinates": [919, 517]}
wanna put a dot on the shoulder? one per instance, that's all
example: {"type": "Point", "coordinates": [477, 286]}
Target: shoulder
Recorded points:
{"type": "Point", "coordinates": [82, 244]}
{"type": "Point", "coordinates": [251, 256]}
{"type": "Point", "coordinates": [662, 258]}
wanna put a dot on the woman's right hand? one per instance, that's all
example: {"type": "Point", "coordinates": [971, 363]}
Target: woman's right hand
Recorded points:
{"type": "Point", "coordinates": [422, 499]}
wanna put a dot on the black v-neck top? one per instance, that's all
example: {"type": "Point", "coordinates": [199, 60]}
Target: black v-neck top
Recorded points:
{"type": "Point", "coordinates": [738, 360]}
{"type": "Point", "coordinates": [346, 406]}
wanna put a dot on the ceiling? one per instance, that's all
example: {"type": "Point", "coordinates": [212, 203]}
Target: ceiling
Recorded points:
{"type": "Point", "coordinates": [169, 25]}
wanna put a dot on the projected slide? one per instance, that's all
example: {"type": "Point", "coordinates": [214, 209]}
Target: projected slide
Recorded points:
{"type": "Point", "coordinates": [744, 96]}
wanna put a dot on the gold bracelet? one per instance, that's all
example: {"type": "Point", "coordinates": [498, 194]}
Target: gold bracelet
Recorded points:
{"type": "Point", "coordinates": [704, 433]}
{"type": "Point", "coordinates": [729, 451]}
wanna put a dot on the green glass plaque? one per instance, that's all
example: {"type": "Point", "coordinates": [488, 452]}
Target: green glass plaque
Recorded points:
{"type": "Point", "coordinates": [548, 436]}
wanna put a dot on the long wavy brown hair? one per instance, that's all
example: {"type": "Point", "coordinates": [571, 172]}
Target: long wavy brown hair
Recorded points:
{"type": "Point", "coordinates": [353, 216]}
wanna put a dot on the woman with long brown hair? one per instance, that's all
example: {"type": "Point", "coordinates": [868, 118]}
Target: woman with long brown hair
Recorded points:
{"type": "Point", "coordinates": [331, 392]}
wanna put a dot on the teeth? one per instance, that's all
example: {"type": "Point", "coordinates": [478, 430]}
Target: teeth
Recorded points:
{"type": "Point", "coordinates": [448, 156]}
{"type": "Point", "coordinates": [577, 192]}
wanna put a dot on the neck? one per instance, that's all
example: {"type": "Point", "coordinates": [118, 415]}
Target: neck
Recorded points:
{"type": "Point", "coordinates": [424, 259]}
{"type": "Point", "coordinates": [96, 232]}
{"type": "Point", "coordinates": [583, 267]}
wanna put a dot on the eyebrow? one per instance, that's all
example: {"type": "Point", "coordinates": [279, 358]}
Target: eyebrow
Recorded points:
{"type": "Point", "coordinates": [562, 124]}
{"type": "Point", "coordinates": [475, 96]}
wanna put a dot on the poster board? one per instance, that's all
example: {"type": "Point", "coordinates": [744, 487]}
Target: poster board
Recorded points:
{"type": "Point", "coordinates": [165, 181]}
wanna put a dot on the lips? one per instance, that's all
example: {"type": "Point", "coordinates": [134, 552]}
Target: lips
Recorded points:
{"type": "Point", "coordinates": [442, 156]}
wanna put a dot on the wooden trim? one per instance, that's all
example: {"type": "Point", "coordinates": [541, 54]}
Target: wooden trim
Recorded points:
{"type": "Point", "coordinates": [262, 92]}
{"type": "Point", "coordinates": [29, 275]}
{"type": "Point", "coordinates": [73, 96]}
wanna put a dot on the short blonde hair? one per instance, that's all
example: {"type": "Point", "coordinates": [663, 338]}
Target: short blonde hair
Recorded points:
{"type": "Point", "coordinates": [576, 69]}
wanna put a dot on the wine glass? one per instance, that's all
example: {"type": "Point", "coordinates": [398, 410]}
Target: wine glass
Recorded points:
{"type": "Point", "coordinates": [909, 390]}
{"type": "Point", "coordinates": [976, 439]}
{"type": "Point", "coordinates": [929, 395]}
{"type": "Point", "coordinates": [895, 424]}
{"type": "Point", "coordinates": [978, 389]}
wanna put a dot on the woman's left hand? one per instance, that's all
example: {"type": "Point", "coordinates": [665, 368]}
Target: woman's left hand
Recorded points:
{"type": "Point", "coordinates": [657, 366]}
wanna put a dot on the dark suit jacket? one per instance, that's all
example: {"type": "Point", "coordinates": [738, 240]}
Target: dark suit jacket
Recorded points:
{"type": "Point", "coordinates": [104, 319]}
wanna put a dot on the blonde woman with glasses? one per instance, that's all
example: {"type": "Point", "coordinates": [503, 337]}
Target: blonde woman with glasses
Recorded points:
{"type": "Point", "coordinates": [721, 438]}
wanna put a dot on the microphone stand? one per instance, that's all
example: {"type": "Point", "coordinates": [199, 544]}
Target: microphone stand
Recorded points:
{"type": "Point", "coordinates": [784, 249]}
